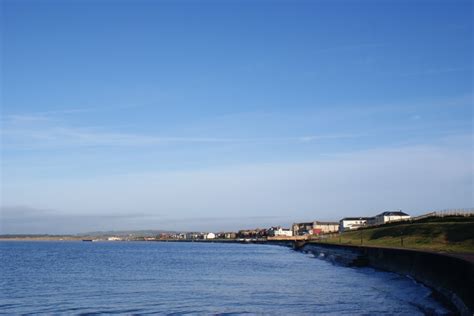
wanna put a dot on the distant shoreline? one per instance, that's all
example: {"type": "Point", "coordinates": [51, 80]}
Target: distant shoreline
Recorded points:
{"type": "Point", "coordinates": [40, 239]}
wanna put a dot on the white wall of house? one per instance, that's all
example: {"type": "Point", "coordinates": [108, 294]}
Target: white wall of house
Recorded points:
{"type": "Point", "coordinates": [396, 218]}
{"type": "Point", "coordinates": [283, 232]}
{"type": "Point", "coordinates": [382, 219]}
{"type": "Point", "coordinates": [350, 224]}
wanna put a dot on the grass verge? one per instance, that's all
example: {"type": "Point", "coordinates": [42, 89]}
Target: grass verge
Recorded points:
{"type": "Point", "coordinates": [449, 236]}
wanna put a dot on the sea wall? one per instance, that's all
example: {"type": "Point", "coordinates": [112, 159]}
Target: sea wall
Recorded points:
{"type": "Point", "coordinates": [450, 277]}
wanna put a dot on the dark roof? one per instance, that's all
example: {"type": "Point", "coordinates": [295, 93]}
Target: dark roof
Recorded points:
{"type": "Point", "coordinates": [326, 223]}
{"type": "Point", "coordinates": [394, 213]}
{"type": "Point", "coordinates": [355, 218]}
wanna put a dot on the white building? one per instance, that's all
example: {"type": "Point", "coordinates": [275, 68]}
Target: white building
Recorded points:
{"type": "Point", "coordinates": [278, 231]}
{"type": "Point", "coordinates": [392, 216]}
{"type": "Point", "coordinates": [210, 236]}
{"type": "Point", "coordinates": [350, 223]}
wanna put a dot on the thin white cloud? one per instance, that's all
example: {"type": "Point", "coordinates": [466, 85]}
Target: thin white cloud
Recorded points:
{"type": "Point", "coordinates": [54, 114]}
{"type": "Point", "coordinates": [435, 71]}
{"type": "Point", "coordinates": [47, 130]}
{"type": "Point", "coordinates": [34, 132]}
{"type": "Point", "coordinates": [311, 138]}
{"type": "Point", "coordinates": [349, 47]}
{"type": "Point", "coordinates": [25, 119]}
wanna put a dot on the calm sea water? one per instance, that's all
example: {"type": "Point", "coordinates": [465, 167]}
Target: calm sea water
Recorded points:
{"type": "Point", "coordinates": [195, 278]}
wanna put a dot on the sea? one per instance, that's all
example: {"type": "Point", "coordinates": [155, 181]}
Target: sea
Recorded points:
{"type": "Point", "coordinates": [177, 278]}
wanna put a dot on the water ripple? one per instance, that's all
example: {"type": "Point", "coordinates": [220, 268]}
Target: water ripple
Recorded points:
{"type": "Point", "coordinates": [195, 278]}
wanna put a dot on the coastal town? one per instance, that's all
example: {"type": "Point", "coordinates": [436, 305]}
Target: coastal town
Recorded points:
{"type": "Point", "coordinates": [310, 230]}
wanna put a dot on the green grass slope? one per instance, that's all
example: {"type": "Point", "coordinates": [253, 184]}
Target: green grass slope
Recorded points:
{"type": "Point", "coordinates": [441, 234]}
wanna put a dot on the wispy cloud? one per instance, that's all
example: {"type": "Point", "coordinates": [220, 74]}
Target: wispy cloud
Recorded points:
{"type": "Point", "coordinates": [435, 71]}
{"type": "Point", "coordinates": [311, 138]}
{"type": "Point", "coordinates": [27, 118]}
{"type": "Point", "coordinates": [29, 131]}
{"type": "Point", "coordinates": [349, 47]}
{"type": "Point", "coordinates": [32, 132]}
{"type": "Point", "coordinates": [54, 114]}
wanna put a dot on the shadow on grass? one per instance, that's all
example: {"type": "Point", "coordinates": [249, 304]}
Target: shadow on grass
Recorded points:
{"type": "Point", "coordinates": [452, 232]}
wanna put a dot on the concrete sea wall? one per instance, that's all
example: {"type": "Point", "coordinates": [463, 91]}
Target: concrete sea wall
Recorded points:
{"type": "Point", "coordinates": [450, 277]}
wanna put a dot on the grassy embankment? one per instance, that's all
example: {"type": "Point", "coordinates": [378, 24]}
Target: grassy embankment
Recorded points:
{"type": "Point", "coordinates": [450, 234]}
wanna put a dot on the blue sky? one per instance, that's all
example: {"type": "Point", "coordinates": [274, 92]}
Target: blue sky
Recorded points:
{"type": "Point", "coordinates": [226, 114]}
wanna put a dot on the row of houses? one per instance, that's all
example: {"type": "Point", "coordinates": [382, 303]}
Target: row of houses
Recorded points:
{"type": "Point", "coordinates": [351, 223]}
{"type": "Point", "coordinates": [314, 228]}
{"type": "Point", "coordinates": [347, 223]}
{"type": "Point", "coordinates": [256, 233]}
{"type": "Point", "coordinates": [263, 232]}
{"type": "Point", "coordinates": [207, 235]}
{"type": "Point", "coordinates": [179, 236]}
{"type": "Point", "coordinates": [297, 229]}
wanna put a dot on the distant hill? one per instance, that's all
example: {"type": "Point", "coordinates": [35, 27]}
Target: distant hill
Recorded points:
{"type": "Point", "coordinates": [33, 235]}
{"type": "Point", "coordinates": [120, 233]}
{"type": "Point", "coordinates": [125, 233]}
